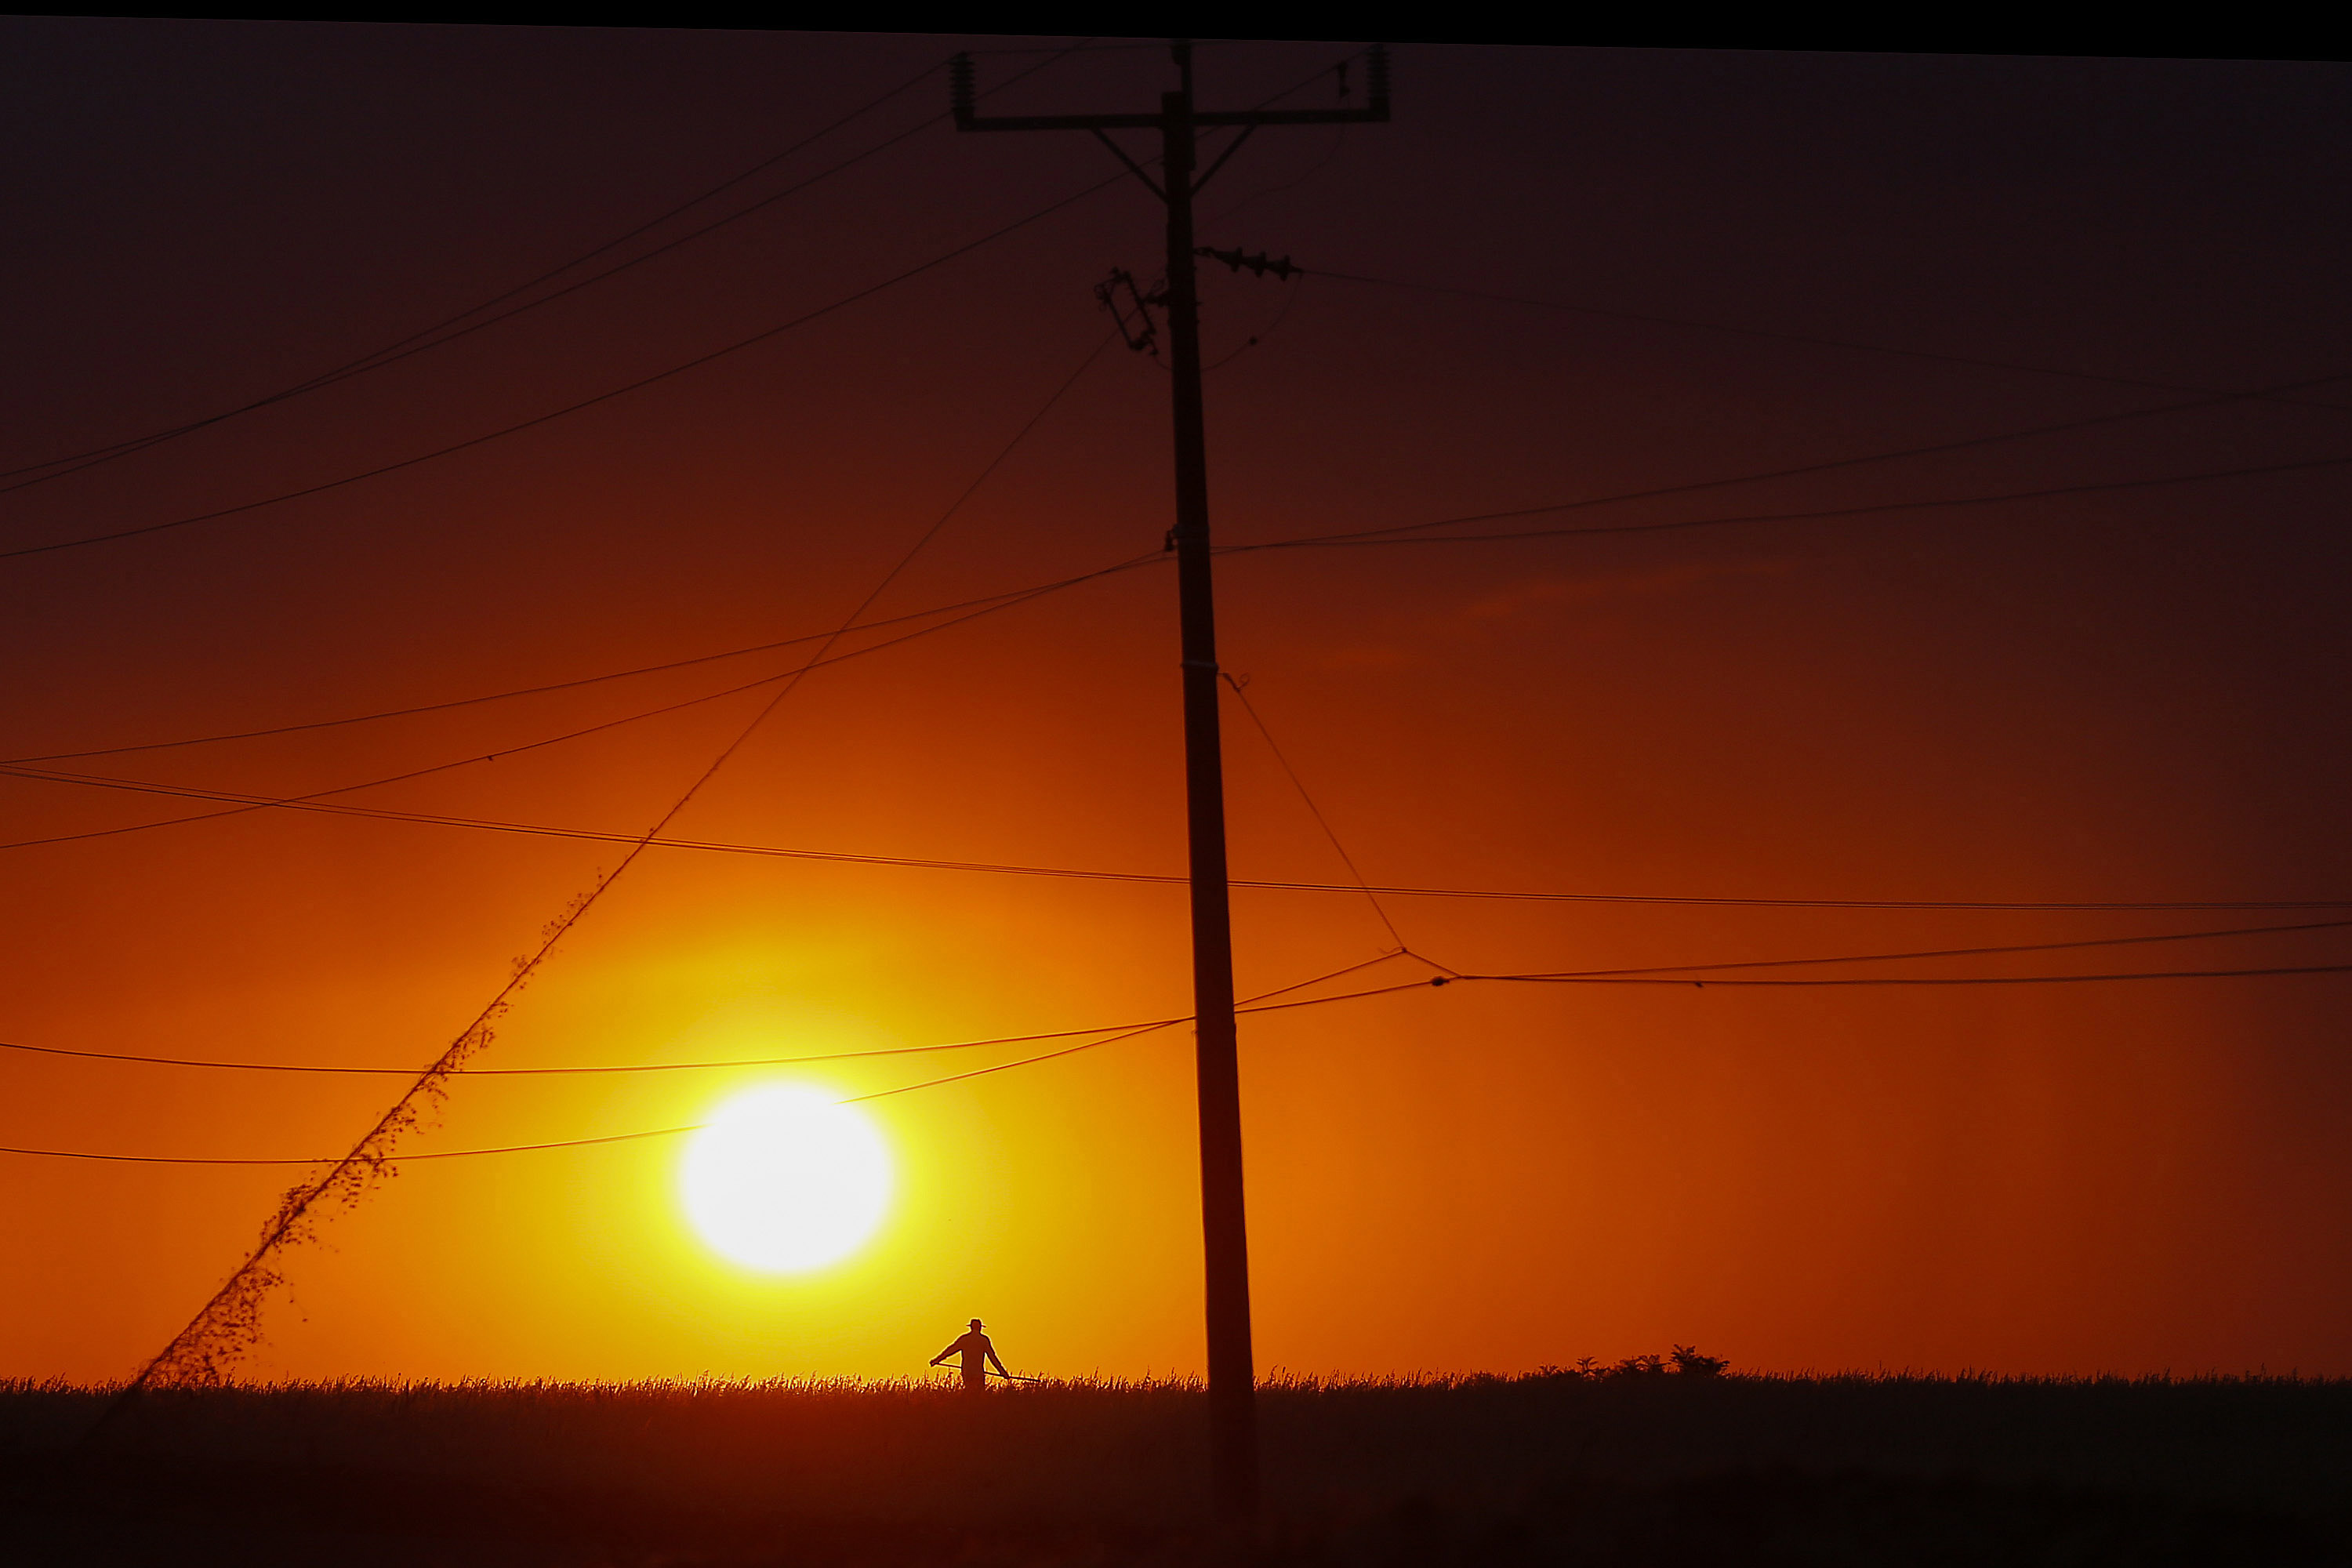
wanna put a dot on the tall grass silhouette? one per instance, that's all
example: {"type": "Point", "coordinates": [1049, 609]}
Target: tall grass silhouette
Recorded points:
{"type": "Point", "coordinates": [1633, 1462]}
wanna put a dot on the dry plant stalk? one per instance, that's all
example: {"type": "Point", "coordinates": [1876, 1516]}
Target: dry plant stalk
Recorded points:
{"type": "Point", "coordinates": [228, 1327]}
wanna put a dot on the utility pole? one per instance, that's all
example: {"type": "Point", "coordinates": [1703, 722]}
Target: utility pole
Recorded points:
{"type": "Point", "coordinates": [1225, 1234]}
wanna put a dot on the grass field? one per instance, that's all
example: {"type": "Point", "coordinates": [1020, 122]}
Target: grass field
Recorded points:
{"type": "Point", "coordinates": [1635, 1468]}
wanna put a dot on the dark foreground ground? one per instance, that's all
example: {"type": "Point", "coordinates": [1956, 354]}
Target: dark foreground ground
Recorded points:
{"type": "Point", "coordinates": [1649, 1470]}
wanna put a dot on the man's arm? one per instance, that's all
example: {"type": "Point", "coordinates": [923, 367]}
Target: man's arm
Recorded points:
{"type": "Point", "coordinates": [943, 1355]}
{"type": "Point", "coordinates": [1000, 1366]}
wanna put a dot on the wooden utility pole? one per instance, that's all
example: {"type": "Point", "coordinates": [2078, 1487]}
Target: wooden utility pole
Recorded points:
{"type": "Point", "coordinates": [1224, 1233]}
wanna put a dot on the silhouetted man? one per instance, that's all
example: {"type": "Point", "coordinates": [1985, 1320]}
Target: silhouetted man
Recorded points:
{"type": "Point", "coordinates": [977, 1354]}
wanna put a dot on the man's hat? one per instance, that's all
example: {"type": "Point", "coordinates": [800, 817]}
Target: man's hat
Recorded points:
{"type": "Point", "coordinates": [976, 1323]}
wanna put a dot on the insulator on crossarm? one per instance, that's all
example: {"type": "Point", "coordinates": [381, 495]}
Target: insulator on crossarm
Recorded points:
{"type": "Point", "coordinates": [959, 88]}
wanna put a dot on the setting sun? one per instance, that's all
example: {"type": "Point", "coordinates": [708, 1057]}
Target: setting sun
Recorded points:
{"type": "Point", "coordinates": [785, 1180]}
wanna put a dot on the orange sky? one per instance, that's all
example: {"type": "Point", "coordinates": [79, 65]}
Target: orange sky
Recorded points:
{"type": "Point", "coordinates": [2122, 696]}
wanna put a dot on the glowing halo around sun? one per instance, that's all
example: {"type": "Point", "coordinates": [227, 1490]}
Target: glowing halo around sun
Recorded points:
{"type": "Point", "coordinates": [785, 1180]}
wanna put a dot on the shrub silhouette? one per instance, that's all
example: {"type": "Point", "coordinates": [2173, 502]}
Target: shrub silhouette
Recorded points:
{"type": "Point", "coordinates": [1687, 1360]}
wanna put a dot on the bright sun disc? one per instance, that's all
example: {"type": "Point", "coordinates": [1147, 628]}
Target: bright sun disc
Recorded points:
{"type": "Point", "coordinates": [785, 1179]}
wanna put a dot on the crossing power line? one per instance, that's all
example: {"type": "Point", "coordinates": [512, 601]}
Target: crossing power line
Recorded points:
{"type": "Point", "coordinates": [2206, 400]}
{"type": "Point", "coordinates": [1815, 340]}
{"type": "Point", "coordinates": [1386, 535]}
{"type": "Point", "coordinates": [487, 313]}
{"type": "Point", "coordinates": [1383, 536]}
{"type": "Point", "coordinates": [1262, 1002]}
{"type": "Point", "coordinates": [928, 863]}
{"type": "Point", "coordinates": [1398, 535]}
{"type": "Point", "coordinates": [577, 1071]}
{"type": "Point", "coordinates": [1157, 558]}
{"type": "Point", "coordinates": [1239, 687]}
{"type": "Point", "coordinates": [1137, 1031]}
{"type": "Point", "coordinates": [711, 357]}
{"type": "Point", "coordinates": [322, 800]}
{"type": "Point", "coordinates": [985, 604]}
{"type": "Point", "coordinates": [1704, 970]}
{"type": "Point", "coordinates": [1701, 982]}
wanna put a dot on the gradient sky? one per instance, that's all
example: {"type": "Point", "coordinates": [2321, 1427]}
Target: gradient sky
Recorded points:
{"type": "Point", "coordinates": [2129, 695]}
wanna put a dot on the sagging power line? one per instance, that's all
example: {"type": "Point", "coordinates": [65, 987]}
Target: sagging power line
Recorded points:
{"type": "Point", "coordinates": [1816, 340]}
{"type": "Point", "coordinates": [476, 318]}
{"type": "Point", "coordinates": [2211, 399]}
{"type": "Point", "coordinates": [247, 803]}
{"type": "Point", "coordinates": [1402, 534]}
{"type": "Point", "coordinates": [323, 800]}
{"type": "Point", "coordinates": [1262, 1002]}
{"type": "Point", "coordinates": [1239, 687]}
{"type": "Point", "coordinates": [986, 604]}
{"type": "Point", "coordinates": [1399, 533]}
{"type": "Point", "coordinates": [712, 357]}
{"type": "Point", "coordinates": [1709, 967]}
{"type": "Point", "coordinates": [1437, 981]}
{"type": "Point", "coordinates": [1386, 535]}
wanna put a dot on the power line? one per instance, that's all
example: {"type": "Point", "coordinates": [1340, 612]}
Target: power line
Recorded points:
{"type": "Point", "coordinates": [925, 863]}
{"type": "Point", "coordinates": [578, 1071]}
{"type": "Point", "coordinates": [615, 392]}
{"type": "Point", "coordinates": [838, 304]}
{"type": "Point", "coordinates": [1384, 536]}
{"type": "Point", "coordinates": [1241, 695]}
{"type": "Point", "coordinates": [387, 1161]}
{"type": "Point", "coordinates": [1116, 1031]}
{"type": "Point", "coordinates": [1008, 1067]}
{"type": "Point", "coordinates": [1702, 982]}
{"type": "Point", "coordinates": [1453, 979]}
{"type": "Point", "coordinates": [1090, 47]}
{"type": "Point", "coordinates": [1779, 335]}
{"type": "Point", "coordinates": [694, 363]}
{"type": "Point", "coordinates": [1372, 537]}
{"type": "Point", "coordinates": [316, 799]}
{"type": "Point", "coordinates": [1799, 470]}
{"type": "Point", "coordinates": [1388, 536]}
{"type": "Point", "coordinates": [1951, 952]}
{"type": "Point", "coordinates": [1380, 535]}
{"type": "Point", "coordinates": [1365, 537]}
{"type": "Point", "coordinates": [439, 334]}
{"type": "Point", "coordinates": [2182, 906]}
{"type": "Point", "coordinates": [1121, 1030]}
{"type": "Point", "coordinates": [1434, 983]}
{"type": "Point", "coordinates": [1128, 1032]}
{"type": "Point", "coordinates": [1005, 600]}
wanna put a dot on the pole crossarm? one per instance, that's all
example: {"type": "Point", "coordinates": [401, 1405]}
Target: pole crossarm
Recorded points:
{"type": "Point", "coordinates": [967, 120]}
{"type": "Point", "coordinates": [1373, 115]}
{"type": "Point", "coordinates": [1375, 112]}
